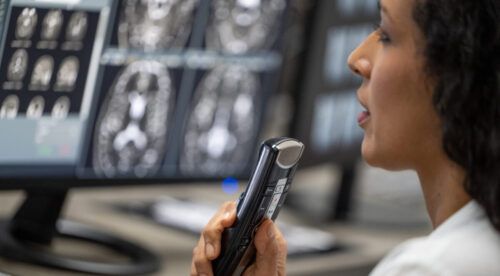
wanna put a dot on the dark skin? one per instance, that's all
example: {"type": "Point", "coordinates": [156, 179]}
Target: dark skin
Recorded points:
{"type": "Point", "coordinates": [269, 242]}
{"type": "Point", "coordinates": [402, 131]}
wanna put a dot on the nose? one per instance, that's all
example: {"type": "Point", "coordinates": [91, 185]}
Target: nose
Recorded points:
{"type": "Point", "coordinates": [359, 61]}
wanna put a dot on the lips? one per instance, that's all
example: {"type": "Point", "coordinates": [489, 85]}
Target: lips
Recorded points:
{"type": "Point", "coordinates": [365, 114]}
{"type": "Point", "coordinates": [363, 117]}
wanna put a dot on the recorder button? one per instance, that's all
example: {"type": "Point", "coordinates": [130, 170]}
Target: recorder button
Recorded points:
{"type": "Point", "coordinates": [272, 184]}
{"type": "Point", "coordinates": [281, 183]}
{"type": "Point", "coordinates": [265, 202]}
{"type": "Point", "coordinates": [279, 188]}
{"type": "Point", "coordinates": [273, 205]}
{"type": "Point", "coordinates": [260, 215]}
{"type": "Point", "coordinates": [269, 191]}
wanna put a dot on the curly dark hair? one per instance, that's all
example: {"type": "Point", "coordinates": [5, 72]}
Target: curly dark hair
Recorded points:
{"type": "Point", "coordinates": [462, 53]}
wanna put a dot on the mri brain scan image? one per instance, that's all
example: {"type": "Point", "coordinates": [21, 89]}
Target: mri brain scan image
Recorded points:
{"type": "Point", "coordinates": [26, 23]}
{"type": "Point", "coordinates": [60, 110]}
{"type": "Point", "coordinates": [241, 26]}
{"type": "Point", "coordinates": [155, 24]}
{"type": "Point", "coordinates": [35, 107]}
{"type": "Point", "coordinates": [131, 132]}
{"type": "Point", "coordinates": [51, 26]}
{"type": "Point", "coordinates": [221, 127]}
{"type": "Point", "coordinates": [68, 73]}
{"type": "Point", "coordinates": [77, 27]}
{"type": "Point", "coordinates": [42, 72]}
{"type": "Point", "coordinates": [18, 65]}
{"type": "Point", "coordinates": [9, 107]}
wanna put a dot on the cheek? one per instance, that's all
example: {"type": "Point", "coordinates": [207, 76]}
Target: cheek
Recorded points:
{"type": "Point", "coordinates": [390, 100]}
{"type": "Point", "coordinates": [400, 117]}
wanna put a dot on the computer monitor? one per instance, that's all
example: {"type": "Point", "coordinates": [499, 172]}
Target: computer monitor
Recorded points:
{"type": "Point", "coordinates": [107, 92]}
{"type": "Point", "coordinates": [326, 105]}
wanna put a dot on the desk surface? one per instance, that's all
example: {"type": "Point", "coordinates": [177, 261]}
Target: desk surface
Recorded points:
{"type": "Point", "coordinates": [91, 206]}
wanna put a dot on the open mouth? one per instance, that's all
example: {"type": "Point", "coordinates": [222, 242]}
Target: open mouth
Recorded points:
{"type": "Point", "coordinates": [363, 117]}
{"type": "Point", "coordinates": [365, 114]}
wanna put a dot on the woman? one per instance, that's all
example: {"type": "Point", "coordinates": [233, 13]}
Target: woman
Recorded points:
{"type": "Point", "coordinates": [432, 104]}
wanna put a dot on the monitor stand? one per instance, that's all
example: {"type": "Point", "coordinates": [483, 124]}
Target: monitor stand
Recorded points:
{"type": "Point", "coordinates": [28, 235]}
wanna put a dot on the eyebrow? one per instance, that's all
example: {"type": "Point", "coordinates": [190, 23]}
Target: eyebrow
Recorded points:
{"type": "Point", "coordinates": [384, 10]}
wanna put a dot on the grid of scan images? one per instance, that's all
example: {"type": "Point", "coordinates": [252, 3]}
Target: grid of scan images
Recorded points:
{"type": "Point", "coordinates": [45, 62]}
{"type": "Point", "coordinates": [178, 90]}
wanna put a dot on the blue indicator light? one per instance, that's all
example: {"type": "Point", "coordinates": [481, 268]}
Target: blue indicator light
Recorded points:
{"type": "Point", "coordinates": [230, 186]}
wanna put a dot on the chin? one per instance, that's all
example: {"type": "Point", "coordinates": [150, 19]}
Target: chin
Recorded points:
{"type": "Point", "coordinates": [371, 159]}
{"type": "Point", "coordinates": [368, 154]}
{"type": "Point", "coordinates": [380, 159]}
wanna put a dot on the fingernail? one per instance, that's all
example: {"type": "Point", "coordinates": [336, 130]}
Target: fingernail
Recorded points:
{"type": "Point", "coordinates": [227, 214]}
{"type": "Point", "coordinates": [209, 250]}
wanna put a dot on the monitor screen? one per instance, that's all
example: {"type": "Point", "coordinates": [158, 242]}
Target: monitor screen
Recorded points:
{"type": "Point", "coordinates": [131, 90]}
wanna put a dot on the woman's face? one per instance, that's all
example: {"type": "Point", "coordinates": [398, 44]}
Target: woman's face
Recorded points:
{"type": "Point", "coordinates": [402, 129]}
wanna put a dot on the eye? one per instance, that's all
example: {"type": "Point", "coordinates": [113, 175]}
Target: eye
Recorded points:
{"type": "Point", "coordinates": [382, 35]}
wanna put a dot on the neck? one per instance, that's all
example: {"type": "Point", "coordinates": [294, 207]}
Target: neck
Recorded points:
{"type": "Point", "coordinates": [442, 185]}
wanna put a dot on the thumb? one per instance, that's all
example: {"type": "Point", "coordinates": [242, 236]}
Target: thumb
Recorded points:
{"type": "Point", "coordinates": [270, 251]}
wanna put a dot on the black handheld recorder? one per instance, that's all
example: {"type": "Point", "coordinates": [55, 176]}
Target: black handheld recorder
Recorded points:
{"type": "Point", "coordinates": [263, 198]}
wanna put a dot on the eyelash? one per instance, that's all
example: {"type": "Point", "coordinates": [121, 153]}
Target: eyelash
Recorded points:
{"type": "Point", "coordinates": [382, 35]}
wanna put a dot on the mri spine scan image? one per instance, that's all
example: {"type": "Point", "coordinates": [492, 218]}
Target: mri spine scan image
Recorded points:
{"type": "Point", "coordinates": [131, 132]}
{"type": "Point", "coordinates": [241, 26]}
{"type": "Point", "coordinates": [155, 24]}
{"type": "Point", "coordinates": [222, 124]}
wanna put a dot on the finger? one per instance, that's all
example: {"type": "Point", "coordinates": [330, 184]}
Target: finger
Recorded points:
{"type": "Point", "coordinates": [270, 251]}
{"type": "Point", "coordinates": [224, 214]}
{"type": "Point", "coordinates": [282, 252]}
{"type": "Point", "coordinates": [201, 264]}
{"type": "Point", "coordinates": [193, 267]}
{"type": "Point", "coordinates": [212, 233]}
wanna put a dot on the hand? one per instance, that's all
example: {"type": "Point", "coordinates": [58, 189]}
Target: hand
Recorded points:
{"type": "Point", "coordinates": [269, 242]}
